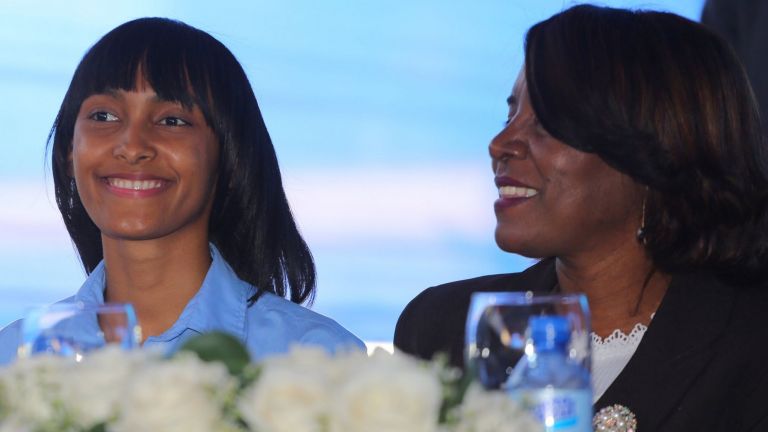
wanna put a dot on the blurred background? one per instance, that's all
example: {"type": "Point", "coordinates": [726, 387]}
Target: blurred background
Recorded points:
{"type": "Point", "coordinates": [381, 113]}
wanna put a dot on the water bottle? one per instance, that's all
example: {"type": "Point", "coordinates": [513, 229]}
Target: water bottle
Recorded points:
{"type": "Point", "coordinates": [555, 390]}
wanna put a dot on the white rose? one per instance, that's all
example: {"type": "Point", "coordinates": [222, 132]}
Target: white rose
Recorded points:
{"type": "Point", "coordinates": [95, 386]}
{"type": "Point", "coordinates": [182, 394]}
{"type": "Point", "coordinates": [14, 424]}
{"type": "Point", "coordinates": [302, 357]}
{"type": "Point", "coordinates": [349, 364]}
{"type": "Point", "coordinates": [32, 387]}
{"type": "Point", "coordinates": [291, 394]}
{"type": "Point", "coordinates": [391, 393]}
{"type": "Point", "coordinates": [493, 411]}
{"type": "Point", "coordinates": [285, 401]}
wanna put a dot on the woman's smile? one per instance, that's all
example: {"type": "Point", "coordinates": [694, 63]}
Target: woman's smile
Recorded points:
{"type": "Point", "coordinates": [512, 192]}
{"type": "Point", "coordinates": [135, 185]}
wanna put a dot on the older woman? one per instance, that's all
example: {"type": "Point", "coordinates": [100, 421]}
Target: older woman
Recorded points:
{"type": "Point", "coordinates": [632, 165]}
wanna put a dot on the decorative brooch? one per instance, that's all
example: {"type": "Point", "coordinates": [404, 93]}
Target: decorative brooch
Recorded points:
{"type": "Point", "coordinates": [615, 418]}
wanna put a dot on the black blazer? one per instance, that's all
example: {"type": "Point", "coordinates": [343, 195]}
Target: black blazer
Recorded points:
{"type": "Point", "coordinates": [701, 366]}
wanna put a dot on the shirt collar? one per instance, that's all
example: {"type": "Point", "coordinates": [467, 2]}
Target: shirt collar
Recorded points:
{"type": "Point", "coordinates": [92, 290]}
{"type": "Point", "coordinates": [219, 305]}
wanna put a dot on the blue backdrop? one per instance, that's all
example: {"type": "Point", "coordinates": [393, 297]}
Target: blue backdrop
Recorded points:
{"type": "Point", "coordinates": [381, 113]}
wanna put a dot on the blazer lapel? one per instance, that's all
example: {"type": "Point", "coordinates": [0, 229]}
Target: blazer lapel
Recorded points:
{"type": "Point", "coordinates": [673, 351]}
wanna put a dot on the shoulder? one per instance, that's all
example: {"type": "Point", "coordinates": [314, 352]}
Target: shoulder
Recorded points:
{"type": "Point", "coordinates": [747, 331]}
{"type": "Point", "coordinates": [455, 296]}
{"type": "Point", "coordinates": [721, 328]}
{"type": "Point", "coordinates": [273, 324]}
{"type": "Point", "coordinates": [434, 320]}
{"type": "Point", "coordinates": [743, 307]}
{"type": "Point", "coordinates": [752, 301]}
{"type": "Point", "coordinates": [705, 303]}
{"type": "Point", "coordinates": [10, 338]}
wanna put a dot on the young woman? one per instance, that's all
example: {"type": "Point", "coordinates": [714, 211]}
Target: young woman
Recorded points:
{"type": "Point", "coordinates": [632, 165]}
{"type": "Point", "coordinates": [169, 186]}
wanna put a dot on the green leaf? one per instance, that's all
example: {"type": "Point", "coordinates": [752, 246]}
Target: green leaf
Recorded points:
{"type": "Point", "coordinates": [454, 389]}
{"type": "Point", "coordinates": [101, 427]}
{"type": "Point", "coordinates": [221, 347]}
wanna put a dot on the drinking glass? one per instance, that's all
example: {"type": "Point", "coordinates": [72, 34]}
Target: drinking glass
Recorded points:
{"type": "Point", "coordinates": [74, 329]}
{"type": "Point", "coordinates": [497, 334]}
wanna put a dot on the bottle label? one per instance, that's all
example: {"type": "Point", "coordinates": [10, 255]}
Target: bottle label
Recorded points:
{"type": "Point", "coordinates": [560, 410]}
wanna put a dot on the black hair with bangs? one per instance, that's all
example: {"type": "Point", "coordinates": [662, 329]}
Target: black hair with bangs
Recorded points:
{"type": "Point", "coordinates": [251, 223]}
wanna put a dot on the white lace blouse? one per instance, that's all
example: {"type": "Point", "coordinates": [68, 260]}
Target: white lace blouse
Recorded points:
{"type": "Point", "coordinates": [611, 355]}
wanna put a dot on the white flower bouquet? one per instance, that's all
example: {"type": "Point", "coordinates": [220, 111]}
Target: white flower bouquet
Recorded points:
{"type": "Point", "coordinates": [211, 386]}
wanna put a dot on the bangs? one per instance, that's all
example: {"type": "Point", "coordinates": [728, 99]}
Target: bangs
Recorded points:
{"type": "Point", "coordinates": [171, 56]}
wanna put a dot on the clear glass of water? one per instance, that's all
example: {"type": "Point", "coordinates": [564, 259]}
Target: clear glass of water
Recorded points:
{"type": "Point", "coordinates": [74, 329]}
{"type": "Point", "coordinates": [497, 333]}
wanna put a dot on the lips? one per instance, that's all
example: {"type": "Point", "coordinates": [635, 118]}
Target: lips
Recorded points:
{"type": "Point", "coordinates": [135, 185]}
{"type": "Point", "coordinates": [512, 192]}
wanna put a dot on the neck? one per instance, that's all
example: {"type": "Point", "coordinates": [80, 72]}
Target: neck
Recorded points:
{"type": "Point", "coordinates": [623, 288]}
{"type": "Point", "coordinates": [158, 277]}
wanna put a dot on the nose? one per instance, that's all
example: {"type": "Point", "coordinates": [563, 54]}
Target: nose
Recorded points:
{"type": "Point", "coordinates": [508, 144]}
{"type": "Point", "coordinates": [134, 146]}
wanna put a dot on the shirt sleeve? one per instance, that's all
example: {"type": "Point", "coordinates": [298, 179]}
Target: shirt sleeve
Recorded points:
{"type": "Point", "coordinates": [10, 338]}
{"type": "Point", "coordinates": [333, 338]}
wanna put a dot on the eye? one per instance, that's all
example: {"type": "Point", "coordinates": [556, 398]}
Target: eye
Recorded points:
{"type": "Point", "coordinates": [173, 121]}
{"type": "Point", "coordinates": [103, 116]}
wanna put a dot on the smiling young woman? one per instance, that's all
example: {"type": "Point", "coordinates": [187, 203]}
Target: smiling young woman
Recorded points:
{"type": "Point", "coordinates": [168, 184]}
{"type": "Point", "coordinates": [146, 170]}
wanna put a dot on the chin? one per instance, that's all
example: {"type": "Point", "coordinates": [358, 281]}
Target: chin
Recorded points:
{"type": "Point", "coordinates": [132, 233]}
{"type": "Point", "coordinates": [512, 244]}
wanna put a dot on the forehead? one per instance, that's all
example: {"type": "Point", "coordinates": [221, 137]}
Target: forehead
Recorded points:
{"type": "Point", "coordinates": [104, 72]}
{"type": "Point", "coordinates": [141, 83]}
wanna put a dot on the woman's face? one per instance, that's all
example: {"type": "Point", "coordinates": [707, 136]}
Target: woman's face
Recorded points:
{"type": "Point", "coordinates": [555, 200]}
{"type": "Point", "coordinates": [145, 167]}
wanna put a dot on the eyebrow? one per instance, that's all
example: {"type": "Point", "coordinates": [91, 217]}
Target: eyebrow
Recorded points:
{"type": "Point", "coordinates": [116, 93]}
{"type": "Point", "coordinates": [512, 100]}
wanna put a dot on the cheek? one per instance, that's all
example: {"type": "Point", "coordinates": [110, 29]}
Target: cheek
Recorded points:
{"type": "Point", "coordinates": [610, 201]}
{"type": "Point", "coordinates": [83, 149]}
{"type": "Point", "coordinates": [587, 188]}
{"type": "Point", "coordinates": [198, 165]}
{"type": "Point", "coordinates": [79, 158]}
{"type": "Point", "coordinates": [212, 155]}
{"type": "Point", "coordinates": [621, 198]}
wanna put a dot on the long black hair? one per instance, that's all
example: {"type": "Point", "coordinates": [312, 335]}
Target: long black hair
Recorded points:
{"type": "Point", "coordinates": [251, 223]}
{"type": "Point", "coordinates": [665, 101]}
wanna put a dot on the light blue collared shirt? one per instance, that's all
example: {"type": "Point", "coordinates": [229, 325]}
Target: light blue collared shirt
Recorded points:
{"type": "Point", "coordinates": [269, 326]}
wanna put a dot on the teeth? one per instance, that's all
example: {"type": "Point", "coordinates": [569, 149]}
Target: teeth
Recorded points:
{"type": "Point", "coordinates": [135, 184]}
{"type": "Point", "coordinates": [516, 192]}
